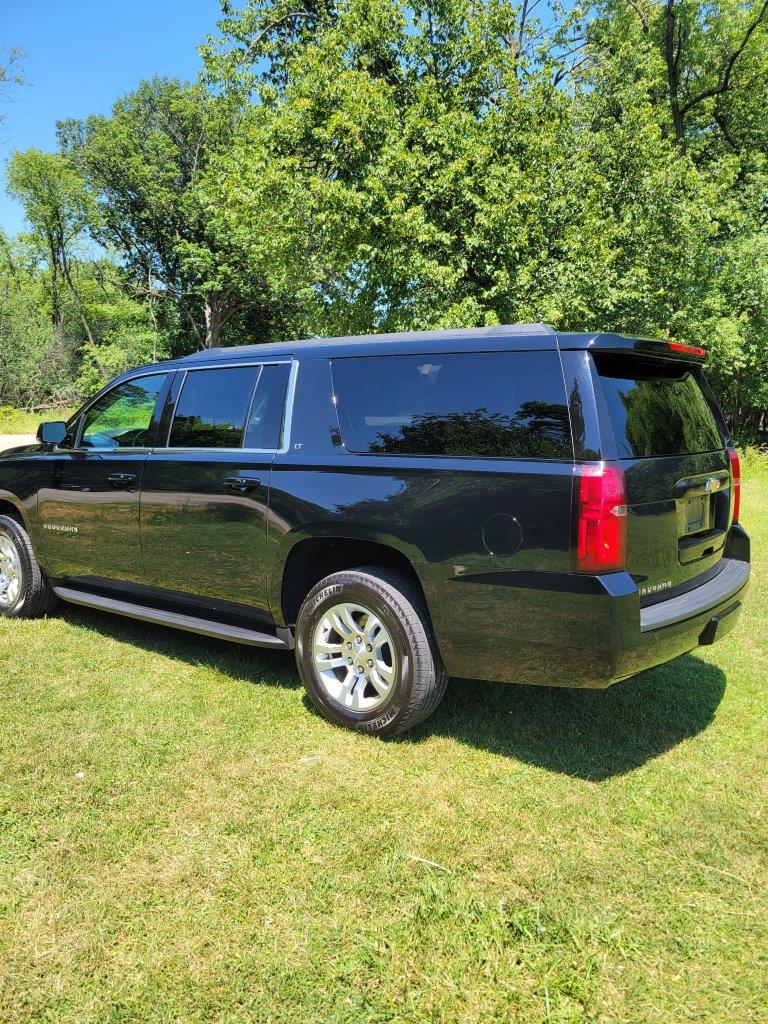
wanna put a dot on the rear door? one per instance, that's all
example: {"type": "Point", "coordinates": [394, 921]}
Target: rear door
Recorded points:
{"type": "Point", "coordinates": [669, 440]}
{"type": "Point", "coordinates": [205, 490]}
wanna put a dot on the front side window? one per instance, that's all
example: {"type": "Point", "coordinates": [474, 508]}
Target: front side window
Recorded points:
{"type": "Point", "coordinates": [485, 404]}
{"type": "Point", "coordinates": [121, 417]}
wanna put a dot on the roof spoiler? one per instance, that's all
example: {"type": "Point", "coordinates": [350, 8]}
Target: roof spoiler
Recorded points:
{"type": "Point", "coordinates": [651, 348]}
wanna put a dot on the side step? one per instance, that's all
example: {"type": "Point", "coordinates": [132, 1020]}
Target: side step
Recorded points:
{"type": "Point", "coordinates": [219, 630]}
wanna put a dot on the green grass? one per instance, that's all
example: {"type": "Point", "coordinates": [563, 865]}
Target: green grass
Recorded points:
{"type": "Point", "coordinates": [17, 421]}
{"type": "Point", "coordinates": [183, 840]}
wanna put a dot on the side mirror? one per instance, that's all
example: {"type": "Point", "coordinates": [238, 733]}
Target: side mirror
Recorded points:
{"type": "Point", "coordinates": [52, 433]}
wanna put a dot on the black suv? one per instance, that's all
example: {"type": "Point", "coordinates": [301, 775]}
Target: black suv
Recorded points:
{"type": "Point", "coordinates": [504, 503]}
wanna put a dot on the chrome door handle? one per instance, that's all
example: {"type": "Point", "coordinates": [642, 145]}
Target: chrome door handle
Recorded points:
{"type": "Point", "coordinates": [242, 484]}
{"type": "Point", "coordinates": [121, 479]}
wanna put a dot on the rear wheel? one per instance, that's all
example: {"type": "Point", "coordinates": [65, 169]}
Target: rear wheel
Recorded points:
{"type": "Point", "coordinates": [366, 653]}
{"type": "Point", "coordinates": [24, 590]}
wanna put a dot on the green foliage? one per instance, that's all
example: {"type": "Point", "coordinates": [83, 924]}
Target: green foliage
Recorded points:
{"type": "Point", "coordinates": [124, 332]}
{"type": "Point", "coordinates": [37, 365]}
{"type": "Point", "coordinates": [44, 362]}
{"type": "Point", "coordinates": [464, 163]}
{"type": "Point", "coordinates": [56, 198]}
{"type": "Point", "coordinates": [370, 165]}
{"type": "Point", "coordinates": [148, 164]}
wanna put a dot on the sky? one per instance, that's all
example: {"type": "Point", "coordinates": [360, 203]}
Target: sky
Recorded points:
{"type": "Point", "coordinates": [80, 56]}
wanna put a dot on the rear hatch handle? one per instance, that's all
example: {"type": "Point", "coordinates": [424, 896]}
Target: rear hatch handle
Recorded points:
{"type": "Point", "coordinates": [689, 488]}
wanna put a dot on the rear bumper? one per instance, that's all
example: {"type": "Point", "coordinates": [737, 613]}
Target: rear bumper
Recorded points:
{"type": "Point", "coordinates": [673, 627]}
{"type": "Point", "coordinates": [559, 629]}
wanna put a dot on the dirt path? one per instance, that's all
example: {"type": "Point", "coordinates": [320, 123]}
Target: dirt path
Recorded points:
{"type": "Point", "coordinates": [14, 440]}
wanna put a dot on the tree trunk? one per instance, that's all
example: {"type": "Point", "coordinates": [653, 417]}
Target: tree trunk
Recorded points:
{"type": "Point", "coordinates": [213, 323]}
{"type": "Point", "coordinates": [672, 46]}
{"type": "Point", "coordinates": [57, 315]}
{"type": "Point", "coordinates": [78, 301]}
{"type": "Point", "coordinates": [218, 308]}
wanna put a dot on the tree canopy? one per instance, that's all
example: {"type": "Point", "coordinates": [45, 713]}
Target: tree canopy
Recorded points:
{"type": "Point", "coordinates": [362, 165]}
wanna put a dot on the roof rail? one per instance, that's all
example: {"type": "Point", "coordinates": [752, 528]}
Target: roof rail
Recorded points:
{"type": "Point", "coordinates": [528, 328]}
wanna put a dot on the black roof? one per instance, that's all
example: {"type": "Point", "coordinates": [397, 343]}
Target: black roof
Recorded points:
{"type": "Point", "coordinates": [463, 339]}
{"type": "Point", "coordinates": [363, 343]}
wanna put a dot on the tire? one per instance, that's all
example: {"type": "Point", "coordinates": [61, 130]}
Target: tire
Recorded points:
{"type": "Point", "coordinates": [402, 681]}
{"type": "Point", "coordinates": [33, 596]}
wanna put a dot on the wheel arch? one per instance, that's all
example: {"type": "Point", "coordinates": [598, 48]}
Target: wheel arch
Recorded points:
{"type": "Point", "coordinates": [312, 558]}
{"type": "Point", "coordinates": [11, 507]}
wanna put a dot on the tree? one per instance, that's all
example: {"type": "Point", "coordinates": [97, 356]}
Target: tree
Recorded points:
{"type": "Point", "coordinates": [441, 164]}
{"type": "Point", "coordinates": [704, 65]}
{"type": "Point", "coordinates": [60, 208]}
{"type": "Point", "coordinates": [36, 364]}
{"type": "Point", "coordinates": [465, 163]}
{"type": "Point", "coordinates": [100, 327]}
{"type": "Point", "coordinates": [10, 73]}
{"type": "Point", "coordinates": [697, 74]}
{"type": "Point", "coordinates": [148, 162]}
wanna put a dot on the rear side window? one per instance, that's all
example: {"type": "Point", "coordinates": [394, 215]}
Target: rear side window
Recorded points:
{"type": "Point", "coordinates": [265, 418]}
{"type": "Point", "coordinates": [212, 408]}
{"type": "Point", "coordinates": [487, 405]}
{"type": "Point", "coordinates": [656, 409]}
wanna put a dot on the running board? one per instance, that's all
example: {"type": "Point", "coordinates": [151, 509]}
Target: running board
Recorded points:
{"type": "Point", "coordinates": [204, 627]}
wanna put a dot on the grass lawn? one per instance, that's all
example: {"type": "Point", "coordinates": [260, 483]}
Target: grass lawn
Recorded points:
{"type": "Point", "coordinates": [183, 840]}
{"type": "Point", "coordinates": [16, 421]}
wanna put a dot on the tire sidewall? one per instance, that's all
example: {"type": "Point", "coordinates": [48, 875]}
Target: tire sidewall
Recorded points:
{"type": "Point", "coordinates": [10, 530]}
{"type": "Point", "coordinates": [383, 719]}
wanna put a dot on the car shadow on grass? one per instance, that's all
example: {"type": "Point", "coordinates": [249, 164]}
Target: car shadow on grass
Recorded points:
{"type": "Point", "coordinates": [257, 665]}
{"type": "Point", "coordinates": [589, 734]}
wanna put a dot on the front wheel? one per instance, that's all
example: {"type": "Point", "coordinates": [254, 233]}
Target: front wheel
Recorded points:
{"type": "Point", "coordinates": [24, 589]}
{"type": "Point", "coordinates": [366, 653]}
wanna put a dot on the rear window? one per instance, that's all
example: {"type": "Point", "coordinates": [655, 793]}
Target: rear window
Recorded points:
{"type": "Point", "coordinates": [489, 405]}
{"type": "Point", "coordinates": [212, 408]}
{"type": "Point", "coordinates": [218, 408]}
{"type": "Point", "coordinates": [656, 409]}
{"type": "Point", "coordinates": [265, 418]}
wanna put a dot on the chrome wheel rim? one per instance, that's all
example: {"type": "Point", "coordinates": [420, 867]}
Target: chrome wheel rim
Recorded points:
{"type": "Point", "coordinates": [354, 657]}
{"type": "Point", "coordinates": [10, 572]}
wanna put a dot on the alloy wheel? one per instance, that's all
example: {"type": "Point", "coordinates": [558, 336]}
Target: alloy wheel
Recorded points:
{"type": "Point", "coordinates": [10, 572]}
{"type": "Point", "coordinates": [354, 656]}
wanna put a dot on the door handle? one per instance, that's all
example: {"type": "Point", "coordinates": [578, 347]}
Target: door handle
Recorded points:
{"type": "Point", "coordinates": [121, 479]}
{"type": "Point", "coordinates": [242, 484]}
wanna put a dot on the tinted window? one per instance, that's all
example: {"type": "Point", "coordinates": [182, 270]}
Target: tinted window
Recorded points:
{"type": "Point", "coordinates": [504, 405]}
{"type": "Point", "coordinates": [265, 419]}
{"type": "Point", "coordinates": [212, 408]}
{"type": "Point", "coordinates": [121, 417]}
{"type": "Point", "coordinates": [656, 409]}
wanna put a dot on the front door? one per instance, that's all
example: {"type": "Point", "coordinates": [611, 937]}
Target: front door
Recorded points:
{"type": "Point", "coordinates": [205, 493]}
{"type": "Point", "coordinates": [89, 500]}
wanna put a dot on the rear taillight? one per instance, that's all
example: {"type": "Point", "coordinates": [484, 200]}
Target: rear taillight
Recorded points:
{"type": "Point", "coordinates": [733, 455]}
{"type": "Point", "coordinates": [601, 518]}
